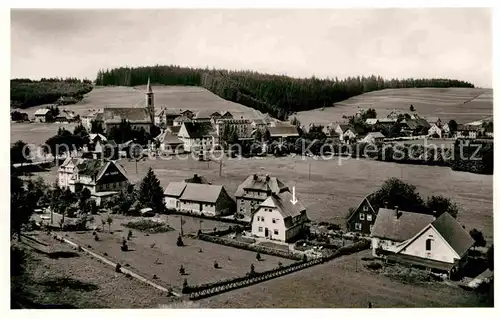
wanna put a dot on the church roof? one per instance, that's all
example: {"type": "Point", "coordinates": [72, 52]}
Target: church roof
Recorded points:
{"type": "Point", "coordinates": [131, 114]}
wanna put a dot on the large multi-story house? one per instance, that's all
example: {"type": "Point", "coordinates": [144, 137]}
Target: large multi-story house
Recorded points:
{"type": "Point", "coordinates": [440, 244]}
{"type": "Point", "coordinates": [255, 190]}
{"type": "Point", "coordinates": [276, 218]}
{"type": "Point", "coordinates": [197, 136]}
{"type": "Point", "coordinates": [101, 178]}
{"type": "Point", "coordinates": [242, 127]}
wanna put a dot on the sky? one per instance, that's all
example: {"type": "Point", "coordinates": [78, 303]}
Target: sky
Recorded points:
{"type": "Point", "coordinates": [393, 43]}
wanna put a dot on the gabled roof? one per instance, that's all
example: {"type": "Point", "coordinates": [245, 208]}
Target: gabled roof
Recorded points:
{"type": "Point", "coordinates": [91, 167]}
{"type": "Point", "coordinates": [367, 199]}
{"type": "Point", "coordinates": [376, 134]}
{"type": "Point", "coordinates": [371, 121]}
{"type": "Point", "coordinates": [43, 111]}
{"type": "Point", "coordinates": [206, 114]}
{"type": "Point", "coordinates": [454, 234]}
{"type": "Point", "coordinates": [412, 124]}
{"type": "Point", "coordinates": [283, 130]}
{"type": "Point", "coordinates": [284, 205]}
{"type": "Point", "coordinates": [131, 114]}
{"type": "Point", "coordinates": [71, 161]}
{"type": "Point", "coordinates": [423, 123]}
{"type": "Point", "coordinates": [201, 193]}
{"type": "Point", "coordinates": [198, 129]}
{"type": "Point", "coordinates": [404, 227]}
{"type": "Point", "coordinates": [344, 127]}
{"type": "Point", "coordinates": [175, 189]}
{"type": "Point", "coordinates": [173, 129]}
{"type": "Point", "coordinates": [261, 183]}
{"type": "Point", "coordinates": [182, 118]}
{"type": "Point", "coordinates": [168, 138]}
{"type": "Point", "coordinates": [93, 136]}
{"type": "Point", "coordinates": [227, 114]}
{"type": "Point", "coordinates": [197, 179]}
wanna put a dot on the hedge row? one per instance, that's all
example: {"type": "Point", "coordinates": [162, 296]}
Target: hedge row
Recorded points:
{"type": "Point", "coordinates": [252, 247]}
{"type": "Point", "coordinates": [203, 216]}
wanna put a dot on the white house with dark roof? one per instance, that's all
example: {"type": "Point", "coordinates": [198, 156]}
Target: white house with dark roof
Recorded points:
{"type": "Point", "coordinates": [172, 193]}
{"type": "Point", "coordinates": [277, 218]}
{"type": "Point", "coordinates": [197, 135]}
{"type": "Point", "coordinates": [254, 190]}
{"type": "Point", "coordinates": [418, 239]}
{"type": "Point", "coordinates": [373, 138]}
{"type": "Point", "coordinates": [42, 115]}
{"type": "Point", "coordinates": [283, 131]}
{"type": "Point", "coordinates": [242, 127]}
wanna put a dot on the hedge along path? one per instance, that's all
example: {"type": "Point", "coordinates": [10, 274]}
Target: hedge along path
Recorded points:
{"type": "Point", "coordinates": [123, 270]}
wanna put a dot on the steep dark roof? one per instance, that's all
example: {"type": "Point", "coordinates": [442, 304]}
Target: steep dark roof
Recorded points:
{"type": "Point", "coordinates": [423, 123]}
{"type": "Point", "coordinates": [91, 167]}
{"type": "Point", "coordinates": [404, 227]}
{"type": "Point", "coordinates": [453, 233]}
{"type": "Point", "coordinates": [283, 130]}
{"type": "Point", "coordinates": [198, 129]}
{"type": "Point", "coordinates": [174, 129]}
{"type": "Point", "coordinates": [131, 114]}
{"type": "Point", "coordinates": [344, 127]}
{"type": "Point", "coordinates": [259, 182]}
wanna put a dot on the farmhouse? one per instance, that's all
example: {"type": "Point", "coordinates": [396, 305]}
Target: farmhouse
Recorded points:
{"type": "Point", "coordinates": [373, 137]}
{"type": "Point", "coordinates": [196, 135]}
{"type": "Point", "coordinates": [179, 120]}
{"type": "Point", "coordinates": [466, 131]}
{"type": "Point", "coordinates": [363, 217]}
{"type": "Point", "coordinates": [172, 193]}
{"type": "Point", "coordinates": [254, 190]}
{"type": "Point", "coordinates": [66, 171]}
{"type": "Point", "coordinates": [92, 115]}
{"type": "Point", "coordinates": [282, 132]}
{"type": "Point", "coordinates": [170, 142]}
{"type": "Point", "coordinates": [278, 219]}
{"type": "Point", "coordinates": [199, 199]}
{"type": "Point", "coordinates": [418, 239]}
{"type": "Point", "coordinates": [435, 130]}
{"type": "Point", "coordinates": [43, 115]}
{"type": "Point", "coordinates": [17, 116]}
{"type": "Point", "coordinates": [345, 132]}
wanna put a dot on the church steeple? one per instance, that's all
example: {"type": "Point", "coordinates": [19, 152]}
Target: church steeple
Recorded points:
{"type": "Point", "coordinates": [150, 101]}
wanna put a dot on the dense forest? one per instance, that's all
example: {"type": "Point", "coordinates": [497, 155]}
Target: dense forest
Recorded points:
{"type": "Point", "coordinates": [277, 95]}
{"type": "Point", "coordinates": [25, 92]}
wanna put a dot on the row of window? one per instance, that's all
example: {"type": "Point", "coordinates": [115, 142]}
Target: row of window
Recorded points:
{"type": "Point", "coordinates": [369, 217]}
{"type": "Point", "coordinates": [359, 226]}
{"type": "Point", "coordinates": [261, 219]}
{"type": "Point", "coordinates": [275, 231]}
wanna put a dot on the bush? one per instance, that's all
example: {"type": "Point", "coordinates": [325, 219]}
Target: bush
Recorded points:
{"type": "Point", "coordinates": [179, 241]}
{"type": "Point", "coordinates": [124, 247]}
{"type": "Point", "coordinates": [374, 266]}
{"type": "Point", "coordinates": [118, 268]}
{"type": "Point", "coordinates": [96, 238]}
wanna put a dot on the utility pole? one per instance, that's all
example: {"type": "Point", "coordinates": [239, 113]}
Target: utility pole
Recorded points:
{"type": "Point", "coordinates": [309, 171]}
{"type": "Point", "coordinates": [182, 233]}
{"type": "Point", "coordinates": [220, 166]}
{"type": "Point", "coordinates": [201, 221]}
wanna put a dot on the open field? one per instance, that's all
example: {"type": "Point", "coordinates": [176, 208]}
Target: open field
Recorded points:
{"type": "Point", "coordinates": [343, 283]}
{"type": "Point", "coordinates": [36, 133]}
{"type": "Point", "coordinates": [333, 188]}
{"type": "Point", "coordinates": [165, 257]}
{"type": "Point", "coordinates": [461, 104]}
{"type": "Point", "coordinates": [175, 97]}
{"type": "Point", "coordinates": [83, 282]}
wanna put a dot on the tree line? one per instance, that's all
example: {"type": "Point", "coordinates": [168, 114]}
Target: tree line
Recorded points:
{"type": "Point", "coordinates": [25, 92]}
{"type": "Point", "coordinates": [278, 95]}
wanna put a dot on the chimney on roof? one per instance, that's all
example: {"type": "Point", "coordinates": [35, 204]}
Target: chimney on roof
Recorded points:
{"type": "Point", "coordinates": [254, 177]}
{"type": "Point", "coordinates": [398, 213]}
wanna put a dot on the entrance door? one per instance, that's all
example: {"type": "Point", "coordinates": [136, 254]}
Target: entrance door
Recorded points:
{"type": "Point", "coordinates": [266, 232]}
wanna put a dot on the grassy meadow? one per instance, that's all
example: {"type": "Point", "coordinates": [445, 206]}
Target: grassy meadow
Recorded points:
{"type": "Point", "coordinates": [461, 104]}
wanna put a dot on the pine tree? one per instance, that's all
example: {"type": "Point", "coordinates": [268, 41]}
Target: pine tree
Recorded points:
{"type": "Point", "coordinates": [151, 193]}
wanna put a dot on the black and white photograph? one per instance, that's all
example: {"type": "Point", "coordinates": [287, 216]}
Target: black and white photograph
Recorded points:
{"type": "Point", "coordinates": [251, 158]}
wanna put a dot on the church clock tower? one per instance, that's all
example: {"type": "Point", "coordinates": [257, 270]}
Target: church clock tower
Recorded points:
{"type": "Point", "coordinates": [150, 102]}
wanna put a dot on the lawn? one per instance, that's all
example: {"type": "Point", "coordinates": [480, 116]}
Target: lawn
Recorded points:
{"type": "Point", "coordinates": [158, 254]}
{"type": "Point", "coordinates": [334, 185]}
{"type": "Point", "coordinates": [342, 283]}
{"type": "Point", "coordinates": [83, 282]}
{"type": "Point", "coordinates": [461, 104]}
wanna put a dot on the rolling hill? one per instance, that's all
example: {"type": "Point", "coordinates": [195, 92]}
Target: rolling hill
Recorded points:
{"type": "Point", "coordinates": [461, 104]}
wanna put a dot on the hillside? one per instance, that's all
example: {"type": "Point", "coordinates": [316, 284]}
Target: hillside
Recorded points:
{"type": "Point", "coordinates": [183, 97]}
{"type": "Point", "coordinates": [461, 104]}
